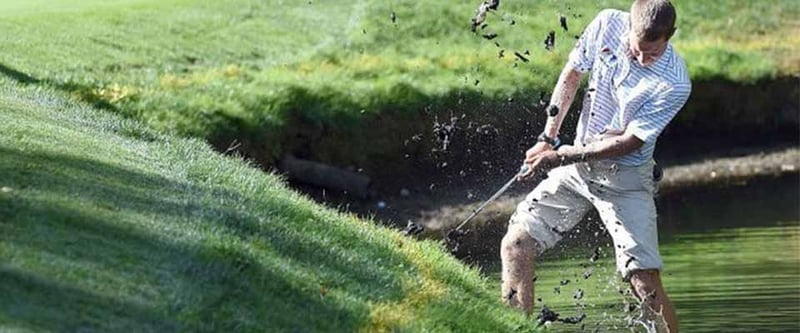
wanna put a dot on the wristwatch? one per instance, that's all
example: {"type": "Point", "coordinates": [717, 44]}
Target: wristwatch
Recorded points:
{"type": "Point", "coordinates": [555, 142]}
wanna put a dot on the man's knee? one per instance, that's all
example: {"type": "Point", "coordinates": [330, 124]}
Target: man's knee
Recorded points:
{"type": "Point", "coordinates": [518, 242]}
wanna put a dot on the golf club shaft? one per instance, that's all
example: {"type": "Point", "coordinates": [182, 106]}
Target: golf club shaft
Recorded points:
{"type": "Point", "coordinates": [497, 194]}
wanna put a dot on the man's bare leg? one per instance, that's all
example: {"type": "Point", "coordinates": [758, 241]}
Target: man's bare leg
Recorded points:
{"type": "Point", "coordinates": [647, 287]}
{"type": "Point", "coordinates": [518, 251]}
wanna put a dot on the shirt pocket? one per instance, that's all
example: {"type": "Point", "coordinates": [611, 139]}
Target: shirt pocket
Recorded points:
{"type": "Point", "coordinates": [606, 66]}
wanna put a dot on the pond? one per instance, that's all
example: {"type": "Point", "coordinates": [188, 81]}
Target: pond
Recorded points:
{"type": "Point", "coordinates": [732, 264]}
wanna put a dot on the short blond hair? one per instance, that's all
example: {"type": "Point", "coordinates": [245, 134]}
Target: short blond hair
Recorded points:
{"type": "Point", "coordinates": [653, 19]}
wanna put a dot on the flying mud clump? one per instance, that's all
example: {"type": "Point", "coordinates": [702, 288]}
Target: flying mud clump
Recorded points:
{"type": "Point", "coordinates": [443, 132]}
{"type": "Point", "coordinates": [483, 9]}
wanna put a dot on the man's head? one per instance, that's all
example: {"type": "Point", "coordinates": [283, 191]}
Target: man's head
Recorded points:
{"type": "Point", "coordinates": [652, 24]}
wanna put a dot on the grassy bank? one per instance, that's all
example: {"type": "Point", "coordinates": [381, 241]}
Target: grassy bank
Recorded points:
{"type": "Point", "coordinates": [106, 225]}
{"type": "Point", "coordinates": [253, 70]}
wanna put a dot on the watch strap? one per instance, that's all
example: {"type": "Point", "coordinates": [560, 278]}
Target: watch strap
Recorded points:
{"type": "Point", "coordinates": [555, 142]}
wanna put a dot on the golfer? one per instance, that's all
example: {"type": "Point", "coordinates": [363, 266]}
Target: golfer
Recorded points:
{"type": "Point", "coordinates": [637, 85]}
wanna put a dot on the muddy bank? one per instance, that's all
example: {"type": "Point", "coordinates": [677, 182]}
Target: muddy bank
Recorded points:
{"type": "Point", "coordinates": [465, 132]}
{"type": "Point", "coordinates": [432, 165]}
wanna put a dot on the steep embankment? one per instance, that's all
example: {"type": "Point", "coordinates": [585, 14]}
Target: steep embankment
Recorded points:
{"type": "Point", "coordinates": [106, 225]}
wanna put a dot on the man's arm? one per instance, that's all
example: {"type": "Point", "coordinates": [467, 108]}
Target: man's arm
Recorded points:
{"type": "Point", "coordinates": [581, 60]}
{"type": "Point", "coordinates": [563, 95]}
{"type": "Point", "coordinates": [609, 147]}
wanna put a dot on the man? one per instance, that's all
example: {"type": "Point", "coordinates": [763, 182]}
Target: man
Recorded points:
{"type": "Point", "coordinates": [637, 85]}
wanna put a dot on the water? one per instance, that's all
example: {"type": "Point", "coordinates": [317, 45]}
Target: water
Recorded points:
{"type": "Point", "coordinates": [732, 264]}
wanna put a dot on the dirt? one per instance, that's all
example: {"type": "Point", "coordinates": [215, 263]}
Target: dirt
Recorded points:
{"type": "Point", "coordinates": [432, 212]}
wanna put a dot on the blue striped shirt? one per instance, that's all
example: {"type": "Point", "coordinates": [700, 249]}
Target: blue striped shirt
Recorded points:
{"type": "Point", "coordinates": [623, 95]}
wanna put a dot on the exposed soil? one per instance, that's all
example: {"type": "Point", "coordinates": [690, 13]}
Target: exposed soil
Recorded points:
{"type": "Point", "coordinates": [440, 209]}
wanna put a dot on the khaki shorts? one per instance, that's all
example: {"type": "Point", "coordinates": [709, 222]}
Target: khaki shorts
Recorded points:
{"type": "Point", "coordinates": [622, 195]}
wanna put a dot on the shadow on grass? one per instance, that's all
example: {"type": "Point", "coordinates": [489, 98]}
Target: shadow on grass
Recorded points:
{"type": "Point", "coordinates": [114, 277]}
{"type": "Point", "coordinates": [17, 75]}
{"type": "Point", "coordinates": [80, 213]}
{"type": "Point", "coordinates": [83, 92]}
{"type": "Point", "coordinates": [37, 302]}
{"type": "Point", "coordinates": [101, 222]}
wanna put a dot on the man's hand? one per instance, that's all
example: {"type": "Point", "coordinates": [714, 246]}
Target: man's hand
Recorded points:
{"type": "Point", "coordinates": [539, 159]}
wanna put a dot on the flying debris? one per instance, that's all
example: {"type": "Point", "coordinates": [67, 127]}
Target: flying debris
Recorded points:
{"type": "Point", "coordinates": [595, 255]}
{"type": "Point", "coordinates": [413, 229]}
{"type": "Point", "coordinates": [521, 57]}
{"type": "Point", "coordinates": [587, 274]}
{"type": "Point", "coordinates": [453, 239]}
{"type": "Point", "coordinates": [547, 315]}
{"type": "Point", "coordinates": [630, 260]}
{"type": "Point", "coordinates": [490, 36]}
{"type": "Point", "coordinates": [443, 131]}
{"type": "Point", "coordinates": [480, 14]}
{"type": "Point", "coordinates": [578, 294]}
{"type": "Point", "coordinates": [573, 320]}
{"type": "Point", "coordinates": [550, 41]}
{"type": "Point", "coordinates": [563, 20]}
{"type": "Point", "coordinates": [511, 294]}
{"type": "Point", "coordinates": [552, 110]}
{"type": "Point", "coordinates": [487, 130]}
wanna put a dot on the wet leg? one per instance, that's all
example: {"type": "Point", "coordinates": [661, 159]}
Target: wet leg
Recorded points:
{"type": "Point", "coordinates": [518, 251]}
{"type": "Point", "coordinates": [656, 305]}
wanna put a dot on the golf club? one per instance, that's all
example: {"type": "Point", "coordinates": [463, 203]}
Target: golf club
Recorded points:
{"type": "Point", "coordinates": [453, 235]}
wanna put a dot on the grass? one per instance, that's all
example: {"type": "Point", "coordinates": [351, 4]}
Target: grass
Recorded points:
{"type": "Point", "coordinates": [107, 225]}
{"type": "Point", "coordinates": [256, 69]}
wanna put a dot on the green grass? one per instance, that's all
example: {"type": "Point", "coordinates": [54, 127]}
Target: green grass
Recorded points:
{"type": "Point", "coordinates": [253, 70]}
{"type": "Point", "coordinates": [106, 225]}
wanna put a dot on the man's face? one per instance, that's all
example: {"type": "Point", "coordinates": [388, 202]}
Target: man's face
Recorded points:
{"type": "Point", "coordinates": [645, 52]}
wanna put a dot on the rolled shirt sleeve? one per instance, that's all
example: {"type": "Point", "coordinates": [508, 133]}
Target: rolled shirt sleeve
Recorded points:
{"type": "Point", "coordinates": [654, 115]}
{"type": "Point", "coordinates": [582, 56]}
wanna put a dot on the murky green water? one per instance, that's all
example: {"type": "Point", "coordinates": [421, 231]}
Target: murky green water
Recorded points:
{"type": "Point", "coordinates": [732, 264]}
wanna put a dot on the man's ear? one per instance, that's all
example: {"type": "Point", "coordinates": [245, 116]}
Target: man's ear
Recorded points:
{"type": "Point", "coordinates": [671, 32]}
